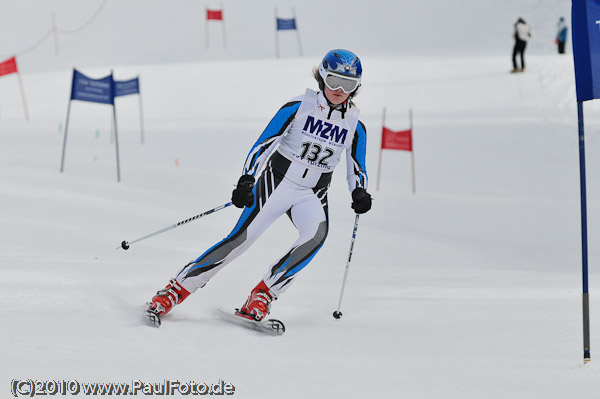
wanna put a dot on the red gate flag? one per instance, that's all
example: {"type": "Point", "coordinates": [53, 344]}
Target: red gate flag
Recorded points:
{"type": "Point", "coordinates": [399, 140]}
{"type": "Point", "coordinates": [9, 66]}
{"type": "Point", "coordinates": [214, 14]}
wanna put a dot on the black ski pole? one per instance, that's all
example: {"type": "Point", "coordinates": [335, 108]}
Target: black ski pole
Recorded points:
{"type": "Point", "coordinates": [125, 244]}
{"type": "Point", "coordinates": [337, 314]}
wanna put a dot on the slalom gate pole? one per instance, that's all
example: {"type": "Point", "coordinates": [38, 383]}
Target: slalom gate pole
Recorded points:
{"type": "Point", "coordinates": [584, 239]}
{"type": "Point", "coordinates": [125, 244]}
{"type": "Point", "coordinates": [62, 159]}
{"type": "Point", "coordinates": [337, 314]}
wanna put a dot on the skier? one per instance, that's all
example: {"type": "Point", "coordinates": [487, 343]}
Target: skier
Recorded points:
{"type": "Point", "coordinates": [521, 34]}
{"type": "Point", "coordinates": [561, 35]}
{"type": "Point", "coordinates": [297, 153]}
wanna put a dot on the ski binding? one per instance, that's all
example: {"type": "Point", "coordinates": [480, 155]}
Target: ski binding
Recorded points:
{"type": "Point", "coordinates": [270, 326]}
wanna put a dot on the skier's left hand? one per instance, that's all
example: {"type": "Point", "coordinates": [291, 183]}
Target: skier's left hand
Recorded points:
{"type": "Point", "coordinates": [361, 200]}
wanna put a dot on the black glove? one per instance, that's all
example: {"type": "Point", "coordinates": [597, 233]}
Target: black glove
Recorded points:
{"type": "Point", "coordinates": [361, 200]}
{"type": "Point", "coordinates": [242, 195]}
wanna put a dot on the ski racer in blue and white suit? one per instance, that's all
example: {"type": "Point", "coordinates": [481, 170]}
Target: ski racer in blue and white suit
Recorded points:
{"type": "Point", "coordinates": [294, 158]}
{"type": "Point", "coordinates": [295, 180]}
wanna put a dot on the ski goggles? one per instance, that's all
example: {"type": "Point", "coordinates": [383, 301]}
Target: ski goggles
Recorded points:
{"type": "Point", "coordinates": [346, 83]}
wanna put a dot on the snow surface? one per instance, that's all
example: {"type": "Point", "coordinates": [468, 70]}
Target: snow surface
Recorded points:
{"type": "Point", "coordinates": [469, 289]}
{"type": "Point", "coordinates": [147, 31]}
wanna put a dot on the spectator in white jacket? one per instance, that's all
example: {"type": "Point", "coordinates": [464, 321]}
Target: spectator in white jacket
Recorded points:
{"type": "Point", "coordinates": [521, 34]}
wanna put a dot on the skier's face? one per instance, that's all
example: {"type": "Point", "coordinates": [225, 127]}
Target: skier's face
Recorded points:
{"type": "Point", "coordinates": [336, 96]}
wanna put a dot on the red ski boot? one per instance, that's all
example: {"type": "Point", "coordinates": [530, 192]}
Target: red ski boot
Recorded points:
{"type": "Point", "coordinates": [258, 304]}
{"type": "Point", "coordinates": [164, 300]}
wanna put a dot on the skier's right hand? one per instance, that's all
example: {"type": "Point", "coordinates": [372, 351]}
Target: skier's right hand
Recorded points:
{"type": "Point", "coordinates": [242, 195]}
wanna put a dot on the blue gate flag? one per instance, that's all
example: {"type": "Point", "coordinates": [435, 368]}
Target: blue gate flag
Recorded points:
{"type": "Point", "coordinates": [585, 22]}
{"type": "Point", "coordinates": [92, 90]}
{"type": "Point", "coordinates": [286, 24]}
{"type": "Point", "coordinates": [127, 87]}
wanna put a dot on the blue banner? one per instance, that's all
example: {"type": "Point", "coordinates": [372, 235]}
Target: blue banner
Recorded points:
{"type": "Point", "coordinates": [585, 23]}
{"type": "Point", "coordinates": [286, 24]}
{"type": "Point", "coordinates": [127, 87]}
{"type": "Point", "coordinates": [92, 90]}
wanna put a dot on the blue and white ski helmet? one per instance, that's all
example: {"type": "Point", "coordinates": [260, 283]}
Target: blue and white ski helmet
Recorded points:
{"type": "Point", "coordinates": [341, 62]}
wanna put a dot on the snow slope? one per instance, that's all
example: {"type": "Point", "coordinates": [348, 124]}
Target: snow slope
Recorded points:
{"type": "Point", "coordinates": [147, 31]}
{"type": "Point", "coordinates": [470, 288]}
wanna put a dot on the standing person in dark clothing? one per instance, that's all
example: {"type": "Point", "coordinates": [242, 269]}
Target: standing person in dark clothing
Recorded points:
{"type": "Point", "coordinates": [561, 35]}
{"type": "Point", "coordinates": [522, 33]}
